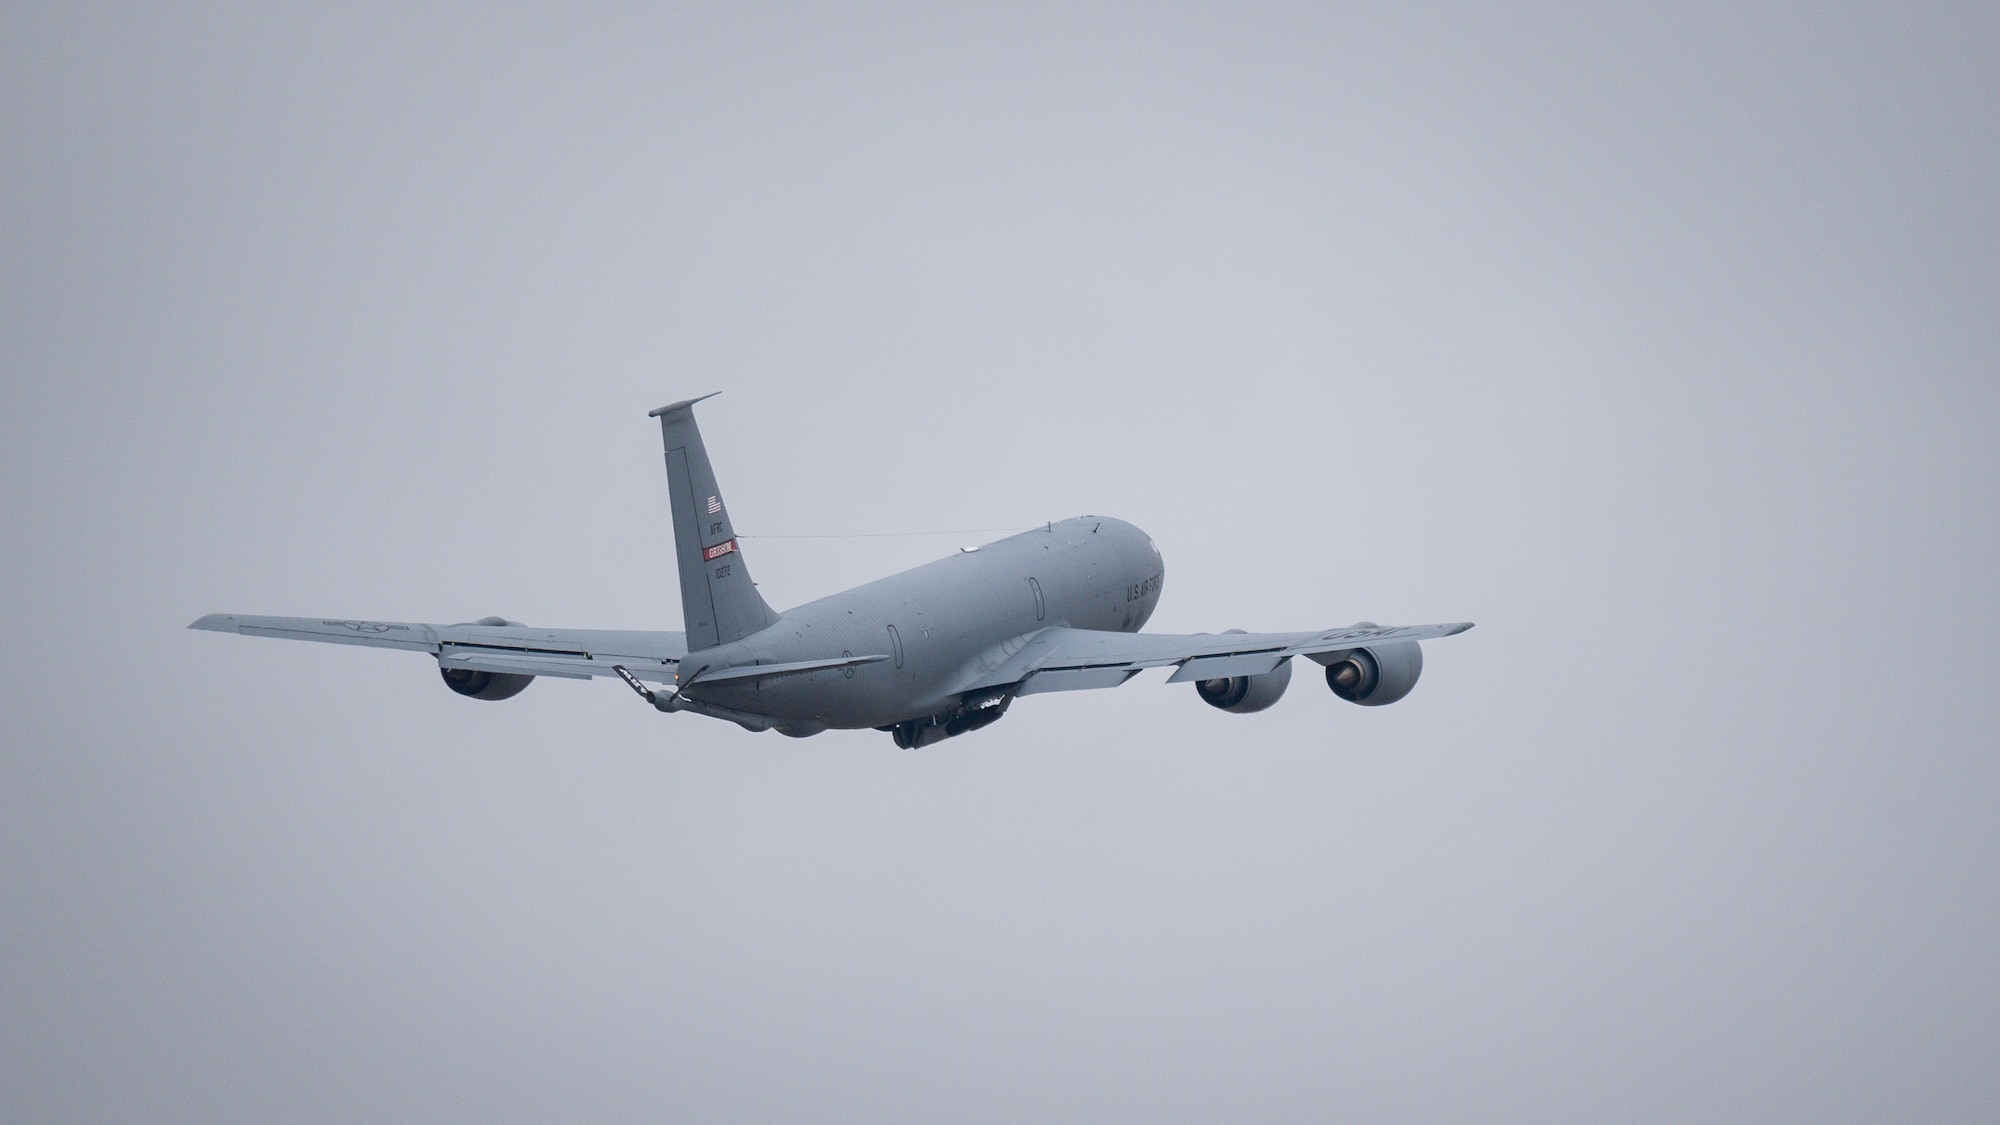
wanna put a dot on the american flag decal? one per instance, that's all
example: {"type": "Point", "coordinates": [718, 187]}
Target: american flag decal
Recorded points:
{"type": "Point", "coordinates": [717, 551]}
{"type": "Point", "coordinates": [714, 505]}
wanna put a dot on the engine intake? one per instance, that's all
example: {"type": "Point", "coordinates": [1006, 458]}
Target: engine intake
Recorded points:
{"type": "Point", "coordinates": [1244, 694]}
{"type": "Point", "coordinates": [485, 685]}
{"type": "Point", "coordinates": [1376, 676]}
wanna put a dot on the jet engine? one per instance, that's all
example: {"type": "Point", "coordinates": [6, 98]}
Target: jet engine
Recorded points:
{"type": "Point", "coordinates": [1244, 694]}
{"type": "Point", "coordinates": [1378, 675]}
{"type": "Point", "coordinates": [485, 685]}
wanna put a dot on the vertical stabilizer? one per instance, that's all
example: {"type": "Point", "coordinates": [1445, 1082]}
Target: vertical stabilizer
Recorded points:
{"type": "Point", "coordinates": [718, 600]}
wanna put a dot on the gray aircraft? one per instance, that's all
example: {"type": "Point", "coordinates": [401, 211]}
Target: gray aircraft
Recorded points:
{"type": "Point", "coordinates": [926, 654]}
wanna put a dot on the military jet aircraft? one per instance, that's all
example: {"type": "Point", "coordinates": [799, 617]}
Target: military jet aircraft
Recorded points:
{"type": "Point", "coordinates": [924, 655]}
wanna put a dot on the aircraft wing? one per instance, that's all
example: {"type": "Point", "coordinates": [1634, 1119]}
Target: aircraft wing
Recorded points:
{"type": "Point", "coordinates": [576, 654]}
{"type": "Point", "coordinates": [1075, 659]}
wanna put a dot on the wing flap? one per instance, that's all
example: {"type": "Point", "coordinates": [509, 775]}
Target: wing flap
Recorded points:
{"type": "Point", "coordinates": [531, 664]}
{"type": "Point", "coordinates": [1361, 636]}
{"type": "Point", "coordinates": [1219, 667]}
{"type": "Point", "coordinates": [1075, 679]}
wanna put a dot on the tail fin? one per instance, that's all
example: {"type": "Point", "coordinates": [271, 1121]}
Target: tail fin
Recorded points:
{"type": "Point", "coordinates": [718, 601]}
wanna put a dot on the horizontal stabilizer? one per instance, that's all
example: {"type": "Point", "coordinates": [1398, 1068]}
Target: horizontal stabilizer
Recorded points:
{"type": "Point", "coordinates": [766, 671]}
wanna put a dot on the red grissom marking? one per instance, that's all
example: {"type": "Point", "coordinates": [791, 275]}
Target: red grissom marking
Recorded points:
{"type": "Point", "coordinates": [717, 551]}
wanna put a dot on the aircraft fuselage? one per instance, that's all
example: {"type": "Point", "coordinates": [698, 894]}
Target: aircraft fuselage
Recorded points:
{"type": "Point", "coordinates": [942, 625]}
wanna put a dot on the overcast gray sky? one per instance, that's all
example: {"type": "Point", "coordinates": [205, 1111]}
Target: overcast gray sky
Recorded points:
{"type": "Point", "coordinates": [1661, 343]}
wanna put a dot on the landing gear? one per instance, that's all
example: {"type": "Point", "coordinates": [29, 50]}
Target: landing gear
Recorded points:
{"type": "Point", "coordinates": [917, 732]}
{"type": "Point", "coordinates": [969, 716]}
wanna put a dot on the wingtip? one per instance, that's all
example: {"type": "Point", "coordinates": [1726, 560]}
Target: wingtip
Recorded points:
{"type": "Point", "coordinates": [215, 622]}
{"type": "Point", "coordinates": [681, 405]}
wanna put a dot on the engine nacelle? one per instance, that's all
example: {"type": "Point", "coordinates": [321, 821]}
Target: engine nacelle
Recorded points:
{"type": "Point", "coordinates": [1377, 675]}
{"type": "Point", "coordinates": [1244, 694]}
{"type": "Point", "coordinates": [485, 685]}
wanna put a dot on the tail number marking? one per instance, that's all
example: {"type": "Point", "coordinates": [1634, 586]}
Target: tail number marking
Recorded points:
{"type": "Point", "coordinates": [719, 550]}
